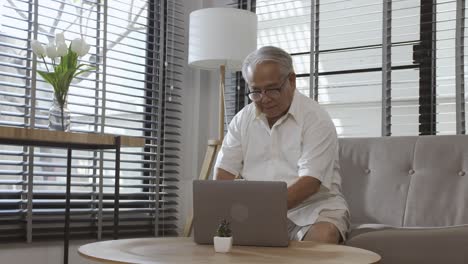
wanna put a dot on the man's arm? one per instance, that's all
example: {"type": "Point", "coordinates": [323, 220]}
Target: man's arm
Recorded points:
{"type": "Point", "coordinates": [303, 188]}
{"type": "Point", "coordinates": [300, 190]}
{"type": "Point", "coordinates": [230, 155]}
{"type": "Point", "coordinates": [316, 165]}
{"type": "Point", "coordinates": [221, 174]}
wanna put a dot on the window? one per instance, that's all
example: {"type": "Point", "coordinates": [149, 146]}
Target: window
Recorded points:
{"type": "Point", "coordinates": [138, 48]}
{"type": "Point", "coordinates": [404, 77]}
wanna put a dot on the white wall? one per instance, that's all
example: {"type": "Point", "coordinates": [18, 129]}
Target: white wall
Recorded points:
{"type": "Point", "coordinates": [200, 113]}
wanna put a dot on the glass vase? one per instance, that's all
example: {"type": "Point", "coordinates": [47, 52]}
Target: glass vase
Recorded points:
{"type": "Point", "coordinates": [59, 116]}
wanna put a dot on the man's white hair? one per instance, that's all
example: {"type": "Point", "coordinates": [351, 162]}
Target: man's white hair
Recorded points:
{"type": "Point", "coordinates": [267, 54]}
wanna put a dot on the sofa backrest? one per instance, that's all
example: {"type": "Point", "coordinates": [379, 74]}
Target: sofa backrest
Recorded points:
{"type": "Point", "coordinates": [406, 181]}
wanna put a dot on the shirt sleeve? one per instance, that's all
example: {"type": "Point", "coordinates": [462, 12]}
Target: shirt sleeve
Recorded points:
{"type": "Point", "coordinates": [230, 156]}
{"type": "Point", "coordinates": [319, 152]}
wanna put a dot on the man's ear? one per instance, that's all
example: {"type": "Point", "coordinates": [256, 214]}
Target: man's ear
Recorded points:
{"type": "Point", "coordinates": [292, 80]}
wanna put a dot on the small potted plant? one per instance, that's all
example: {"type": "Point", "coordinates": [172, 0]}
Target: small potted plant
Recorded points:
{"type": "Point", "coordinates": [223, 240]}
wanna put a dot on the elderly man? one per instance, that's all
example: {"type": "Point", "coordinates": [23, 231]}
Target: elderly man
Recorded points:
{"type": "Point", "coordinates": [286, 136]}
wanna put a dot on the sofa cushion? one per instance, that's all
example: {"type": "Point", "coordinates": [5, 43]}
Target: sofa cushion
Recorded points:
{"type": "Point", "coordinates": [416, 245]}
{"type": "Point", "coordinates": [438, 191]}
{"type": "Point", "coordinates": [375, 177]}
{"type": "Point", "coordinates": [357, 230]}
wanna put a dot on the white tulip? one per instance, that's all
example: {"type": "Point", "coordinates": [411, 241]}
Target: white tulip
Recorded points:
{"type": "Point", "coordinates": [86, 48]}
{"type": "Point", "coordinates": [51, 51]}
{"type": "Point", "coordinates": [62, 49]}
{"type": "Point", "coordinates": [59, 38]}
{"type": "Point", "coordinates": [80, 47]}
{"type": "Point", "coordinates": [75, 45]}
{"type": "Point", "coordinates": [37, 48]}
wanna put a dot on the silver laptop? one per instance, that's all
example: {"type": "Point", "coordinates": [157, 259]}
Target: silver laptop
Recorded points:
{"type": "Point", "coordinates": [256, 210]}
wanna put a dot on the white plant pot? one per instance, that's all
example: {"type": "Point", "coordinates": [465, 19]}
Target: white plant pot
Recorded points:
{"type": "Point", "coordinates": [222, 244]}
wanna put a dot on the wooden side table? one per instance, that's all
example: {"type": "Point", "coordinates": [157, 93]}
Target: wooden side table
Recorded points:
{"type": "Point", "coordinates": [184, 250]}
{"type": "Point", "coordinates": [69, 141]}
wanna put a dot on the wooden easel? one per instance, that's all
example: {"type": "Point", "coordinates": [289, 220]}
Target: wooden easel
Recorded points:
{"type": "Point", "coordinates": [214, 145]}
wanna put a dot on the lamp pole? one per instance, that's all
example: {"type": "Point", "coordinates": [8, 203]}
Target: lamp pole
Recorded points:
{"type": "Point", "coordinates": [222, 76]}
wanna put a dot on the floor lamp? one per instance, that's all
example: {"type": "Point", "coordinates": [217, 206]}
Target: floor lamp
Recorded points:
{"type": "Point", "coordinates": [219, 38]}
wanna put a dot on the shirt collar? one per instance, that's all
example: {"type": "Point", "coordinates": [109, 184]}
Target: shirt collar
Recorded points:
{"type": "Point", "coordinates": [294, 108]}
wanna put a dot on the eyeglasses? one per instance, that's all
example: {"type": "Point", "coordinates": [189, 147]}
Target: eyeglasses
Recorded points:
{"type": "Point", "coordinates": [273, 93]}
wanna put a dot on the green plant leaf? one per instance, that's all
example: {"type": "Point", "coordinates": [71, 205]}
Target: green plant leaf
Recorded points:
{"type": "Point", "coordinates": [82, 65]}
{"type": "Point", "coordinates": [224, 229]}
{"type": "Point", "coordinates": [49, 77]}
{"type": "Point", "coordinates": [83, 71]}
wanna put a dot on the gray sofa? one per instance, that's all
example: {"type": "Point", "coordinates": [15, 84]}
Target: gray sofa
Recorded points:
{"type": "Point", "coordinates": [408, 197]}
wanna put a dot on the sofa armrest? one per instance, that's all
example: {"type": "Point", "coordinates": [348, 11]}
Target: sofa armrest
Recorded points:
{"type": "Point", "coordinates": [416, 245]}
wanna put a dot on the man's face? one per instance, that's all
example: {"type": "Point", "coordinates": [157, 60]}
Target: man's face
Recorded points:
{"type": "Point", "coordinates": [267, 76]}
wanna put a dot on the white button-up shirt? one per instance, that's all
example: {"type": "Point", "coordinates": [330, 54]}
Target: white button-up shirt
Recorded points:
{"type": "Point", "coordinates": [303, 142]}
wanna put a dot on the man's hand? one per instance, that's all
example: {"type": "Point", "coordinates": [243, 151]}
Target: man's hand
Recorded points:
{"type": "Point", "coordinates": [223, 175]}
{"type": "Point", "coordinates": [302, 189]}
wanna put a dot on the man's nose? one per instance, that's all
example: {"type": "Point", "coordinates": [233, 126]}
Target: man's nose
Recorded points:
{"type": "Point", "coordinates": [265, 99]}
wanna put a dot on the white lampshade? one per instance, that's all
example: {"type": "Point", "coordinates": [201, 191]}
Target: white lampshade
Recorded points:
{"type": "Point", "coordinates": [221, 36]}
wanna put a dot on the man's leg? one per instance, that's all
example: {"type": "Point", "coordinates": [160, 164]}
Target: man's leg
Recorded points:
{"type": "Point", "coordinates": [331, 227]}
{"type": "Point", "coordinates": [323, 232]}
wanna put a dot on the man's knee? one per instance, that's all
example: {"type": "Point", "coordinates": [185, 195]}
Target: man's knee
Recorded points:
{"type": "Point", "coordinates": [323, 232]}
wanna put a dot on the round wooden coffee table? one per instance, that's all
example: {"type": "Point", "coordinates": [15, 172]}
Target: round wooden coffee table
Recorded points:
{"type": "Point", "coordinates": [184, 250]}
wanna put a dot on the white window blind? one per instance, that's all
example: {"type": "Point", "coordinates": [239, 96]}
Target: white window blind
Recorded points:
{"type": "Point", "coordinates": [137, 47]}
{"type": "Point", "coordinates": [349, 55]}
{"type": "Point", "coordinates": [390, 67]}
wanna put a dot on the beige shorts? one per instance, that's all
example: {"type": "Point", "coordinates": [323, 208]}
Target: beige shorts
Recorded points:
{"type": "Point", "coordinates": [339, 218]}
